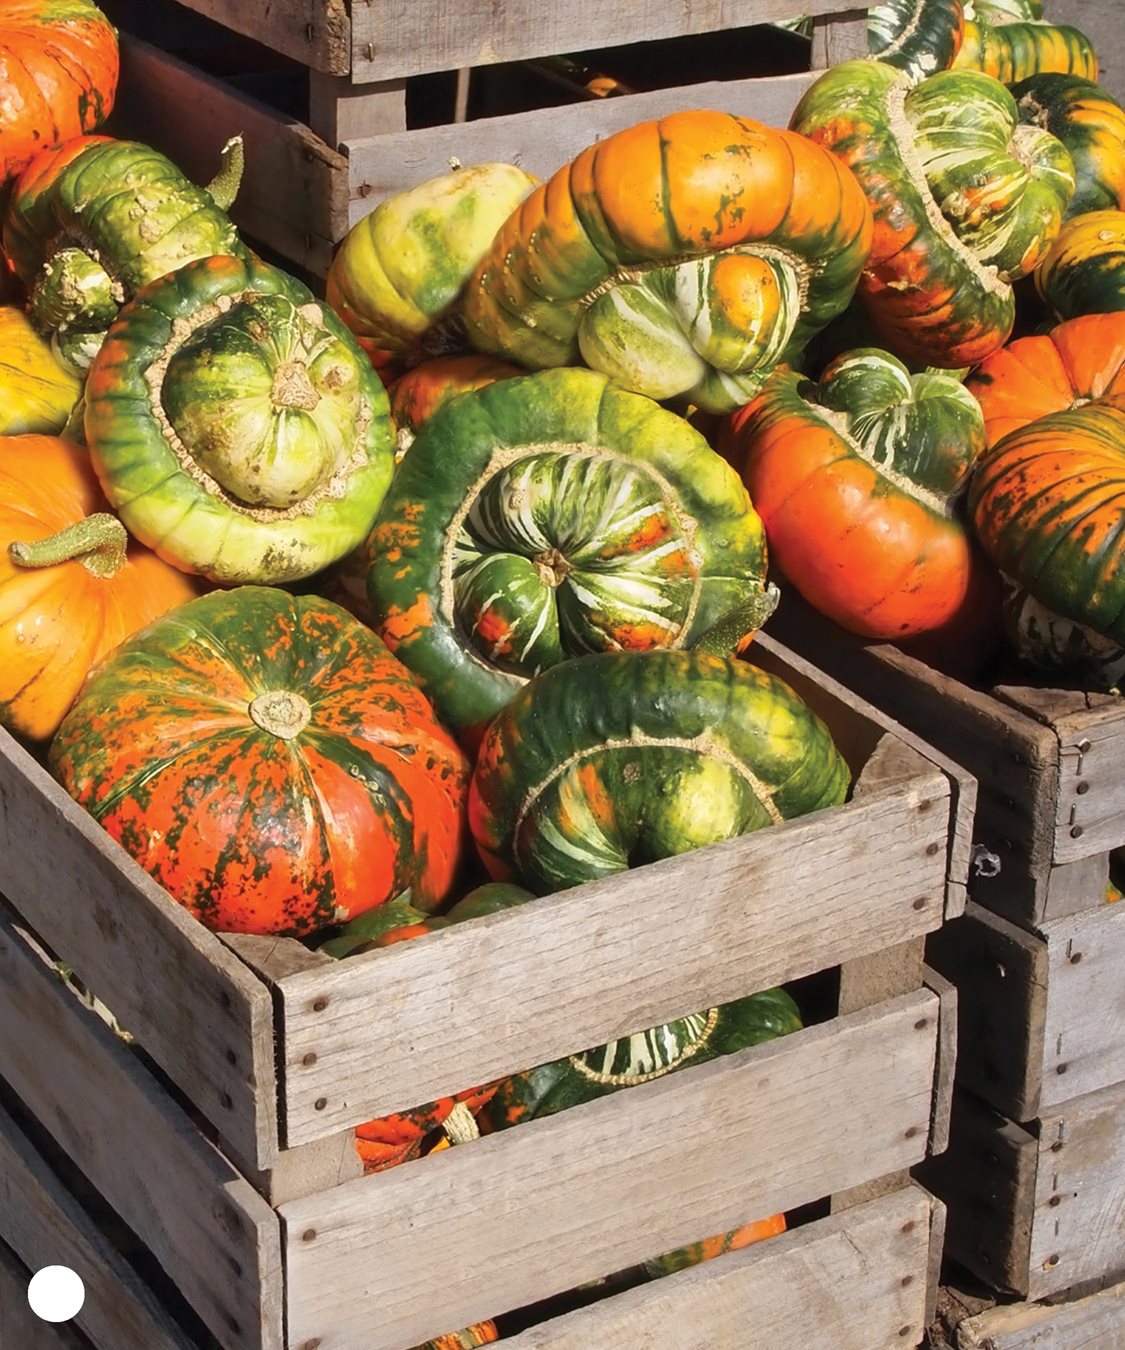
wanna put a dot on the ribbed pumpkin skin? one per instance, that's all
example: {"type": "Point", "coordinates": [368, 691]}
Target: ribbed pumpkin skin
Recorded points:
{"type": "Point", "coordinates": [623, 758]}
{"type": "Point", "coordinates": [709, 1248]}
{"type": "Point", "coordinates": [917, 37]}
{"type": "Point", "coordinates": [480, 1333]}
{"type": "Point", "coordinates": [1079, 361]}
{"type": "Point", "coordinates": [236, 426]}
{"type": "Point", "coordinates": [1084, 272]}
{"type": "Point", "coordinates": [58, 621]}
{"type": "Point", "coordinates": [965, 199]}
{"type": "Point", "coordinates": [683, 257]}
{"type": "Point", "coordinates": [640, 1058]}
{"type": "Point", "coordinates": [401, 268]}
{"type": "Point", "coordinates": [189, 747]}
{"type": "Point", "coordinates": [867, 536]}
{"type": "Point", "coordinates": [1046, 505]}
{"type": "Point", "coordinates": [546, 516]}
{"type": "Point", "coordinates": [1011, 52]}
{"type": "Point", "coordinates": [1091, 124]}
{"type": "Point", "coordinates": [37, 392]}
{"type": "Point", "coordinates": [122, 211]}
{"type": "Point", "coordinates": [58, 75]}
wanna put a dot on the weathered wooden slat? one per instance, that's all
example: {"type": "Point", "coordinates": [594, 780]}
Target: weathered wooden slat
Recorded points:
{"type": "Point", "coordinates": [45, 1226]}
{"type": "Point", "coordinates": [213, 1234]}
{"type": "Point", "coordinates": [471, 1003]}
{"type": "Point", "coordinates": [596, 1188]}
{"type": "Point", "coordinates": [1096, 1322]}
{"type": "Point", "coordinates": [391, 38]}
{"type": "Point", "coordinates": [19, 1326]}
{"type": "Point", "coordinates": [545, 139]}
{"type": "Point", "coordinates": [800, 1289]}
{"type": "Point", "coordinates": [196, 1009]}
{"type": "Point", "coordinates": [838, 37]}
{"type": "Point", "coordinates": [946, 1060]}
{"type": "Point", "coordinates": [316, 33]}
{"type": "Point", "coordinates": [294, 190]}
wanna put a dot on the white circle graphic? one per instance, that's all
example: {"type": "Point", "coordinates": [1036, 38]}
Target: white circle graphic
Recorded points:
{"type": "Point", "coordinates": [56, 1293]}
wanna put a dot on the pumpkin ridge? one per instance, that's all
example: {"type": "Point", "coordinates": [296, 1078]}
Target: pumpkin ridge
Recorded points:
{"type": "Point", "coordinates": [689, 1051]}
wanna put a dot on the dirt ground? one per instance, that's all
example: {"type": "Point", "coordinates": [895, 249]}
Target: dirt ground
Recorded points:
{"type": "Point", "coordinates": [1103, 21]}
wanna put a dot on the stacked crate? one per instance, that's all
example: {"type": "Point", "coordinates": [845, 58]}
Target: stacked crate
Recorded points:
{"type": "Point", "coordinates": [312, 174]}
{"type": "Point", "coordinates": [1034, 1178]}
{"type": "Point", "coordinates": [203, 1181]}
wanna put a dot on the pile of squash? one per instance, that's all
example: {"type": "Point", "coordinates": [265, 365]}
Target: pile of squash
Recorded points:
{"type": "Point", "coordinates": [351, 617]}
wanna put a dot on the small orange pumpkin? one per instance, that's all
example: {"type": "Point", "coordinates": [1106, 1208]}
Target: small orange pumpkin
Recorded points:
{"type": "Point", "coordinates": [72, 584]}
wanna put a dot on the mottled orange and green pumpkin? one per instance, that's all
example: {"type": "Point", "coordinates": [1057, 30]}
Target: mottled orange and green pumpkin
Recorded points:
{"type": "Point", "coordinates": [395, 1139]}
{"type": "Point", "coordinates": [72, 585]}
{"type": "Point", "coordinates": [480, 1333]}
{"type": "Point", "coordinates": [550, 515]}
{"type": "Point", "coordinates": [419, 392]}
{"type": "Point", "coordinates": [858, 479]}
{"type": "Point", "coordinates": [1084, 271]}
{"type": "Point", "coordinates": [1016, 47]}
{"type": "Point", "coordinates": [1077, 362]}
{"type": "Point", "coordinates": [37, 392]}
{"type": "Point", "coordinates": [610, 761]}
{"type": "Point", "coordinates": [682, 257]}
{"type": "Point", "coordinates": [58, 75]}
{"type": "Point", "coordinates": [1091, 124]}
{"type": "Point", "coordinates": [966, 199]}
{"type": "Point", "coordinates": [267, 760]}
{"type": "Point", "coordinates": [711, 1247]}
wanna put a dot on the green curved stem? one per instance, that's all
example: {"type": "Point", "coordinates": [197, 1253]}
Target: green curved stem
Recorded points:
{"type": "Point", "coordinates": [726, 634]}
{"type": "Point", "coordinates": [98, 543]}
{"type": "Point", "coordinates": [223, 188]}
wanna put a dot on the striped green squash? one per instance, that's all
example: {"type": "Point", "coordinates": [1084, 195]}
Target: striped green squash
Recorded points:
{"type": "Point", "coordinates": [547, 516]}
{"type": "Point", "coordinates": [918, 37]}
{"type": "Point", "coordinates": [1091, 124]}
{"type": "Point", "coordinates": [1016, 49]}
{"type": "Point", "coordinates": [1084, 272]}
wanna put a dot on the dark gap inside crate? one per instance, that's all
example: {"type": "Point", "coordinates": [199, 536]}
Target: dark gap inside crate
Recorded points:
{"type": "Point", "coordinates": [113, 1230]}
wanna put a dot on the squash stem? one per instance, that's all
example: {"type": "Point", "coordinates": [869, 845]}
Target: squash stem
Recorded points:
{"type": "Point", "coordinates": [460, 1125]}
{"type": "Point", "coordinates": [99, 543]}
{"type": "Point", "coordinates": [223, 188]}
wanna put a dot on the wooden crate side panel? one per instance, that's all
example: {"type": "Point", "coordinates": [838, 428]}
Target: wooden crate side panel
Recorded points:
{"type": "Point", "coordinates": [1001, 974]}
{"type": "Point", "coordinates": [293, 196]}
{"type": "Point", "coordinates": [214, 1236]}
{"type": "Point", "coordinates": [545, 139]}
{"type": "Point", "coordinates": [392, 39]}
{"type": "Point", "coordinates": [314, 32]}
{"type": "Point", "coordinates": [551, 1204]}
{"type": "Point", "coordinates": [1096, 1322]}
{"type": "Point", "coordinates": [1091, 815]}
{"type": "Point", "coordinates": [986, 1177]}
{"type": "Point", "coordinates": [45, 1226]}
{"type": "Point", "coordinates": [1079, 1230]}
{"type": "Point", "coordinates": [854, 1281]}
{"type": "Point", "coordinates": [19, 1326]}
{"type": "Point", "coordinates": [1084, 1035]}
{"type": "Point", "coordinates": [196, 1009]}
{"type": "Point", "coordinates": [472, 1001]}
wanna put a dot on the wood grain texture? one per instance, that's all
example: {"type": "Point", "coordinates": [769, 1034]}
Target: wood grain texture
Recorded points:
{"type": "Point", "coordinates": [391, 38]}
{"type": "Point", "coordinates": [545, 139]}
{"type": "Point", "coordinates": [19, 1326]}
{"type": "Point", "coordinates": [314, 32]}
{"type": "Point", "coordinates": [1001, 974]}
{"type": "Point", "coordinates": [140, 1151]}
{"type": "Point", "coordinates": [196, 1009]}
{"type": "Point", "coordinates": [851, 1283]}
{"type": "Point", "coordinates": [1096, 1322]}
{"type": "Point", "coordinates": [44, 1225]}
{"type": "Point", "coordinates": [838, 37]}
{"type": "Point", "coordinates": [946, 1059]}
{"type": "Point", "coordinates": [341, 111]}
{"type": "Point", "coordinates": [577, 1195]}
{"type": "Point", "coordinates": [472, 1004]}
{"type": "Point", "coordinates": [293, 196]}
{"type": "Point", "coordinates": [1079, 1231]}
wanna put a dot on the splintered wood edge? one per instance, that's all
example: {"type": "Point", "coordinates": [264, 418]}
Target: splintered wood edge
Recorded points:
{"type": "Point", "coordinates": [1094, 1320]}
{"type": "Point", "coordinates": [45, 1225]}
{"type": "Point", "coordinates": [852, 1277]}
{"type": "Point", "coordinates": [315, 33]}
{"type": "Point", "coordinates": [946, 1058]}
{"type": "Point", "coordinates": [139, 1150]}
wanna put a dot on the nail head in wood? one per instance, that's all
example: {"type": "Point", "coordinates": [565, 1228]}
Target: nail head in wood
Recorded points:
{"type": "Point", "coordinates": [1055, 1200]}
{"type": "Point", "coordinates": [1074, 958]}
{"type": "Point", "coordinates": [1061, 1068]}
{"type": "Point", "coordinates": [921, 1024]}
{"type": "Point", "coordinates": [906, 1280]}
{"type": "Point", "coordinates": [320, 1103]}
{"type": "Point", "coordinates": [931, 849]}
{"type": "Point", "coordinates": [905, 1331]}
{"type": "Point", "coordinates": [1083, 745]}
{"type": "Point", "coordinates": [925, 804]}
{"type": "Point", "coordinates": [1082, 787]}
{"type": "Point", "coordinates": [308, 1235]}
{"type": "Point", "coordinates": [908, 1226]}
{"type": "Point", "coordinates": [310, 1059]}
{"type": "Point", "coordinates": [1076, 831]}
{"type": "Point", "coordinates": [320, 1004]}
{"type": "Point", "coordinates": [920, 903]}
{"type": "Point", "coordinates": [911, 1131]}
{"type": "Point", "coordinates": [1057, 1146]}
{"type": "Point", "coordinates": [225, 1101]}
{"type": "Point", "coordinates": [224, 999]}
{"type": "Point", "coordinates": [1050, 1262]}
{"type": "Point", "coordinates": [232, 1057]}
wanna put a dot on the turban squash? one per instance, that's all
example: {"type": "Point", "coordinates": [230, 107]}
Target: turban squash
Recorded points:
{"type": "Point", "coordinates": [858, 481]}
{"type": "Point", "coordinates": [918, 37]}
{"type": "Point", "coordinates": [1091, 124]}
{"type": "Point", "coordinates": [267, 760]}
{"type": "Point", "coordinates": [58, 75]}
{"type": "Point", "coordinates": [682, 257]}
{"type": "Point", "coordinates": [547, 516]}
{"type": "Point", "coordinates": [93, 220]}
{"type": "Point", "coordinates": [1008, 40]}
{"type": "Point", "coordinates": [966, 199]}
{"type": "Point", "coordinates": [236, 426]}
{"type": "Point", "coordinates": [1084, 270]}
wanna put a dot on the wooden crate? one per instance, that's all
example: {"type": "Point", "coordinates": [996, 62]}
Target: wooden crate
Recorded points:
{"type": "Point", "coordinates": [279, 1053]}
{"type": "Point", "coordinates": [1087, 1321]}
{"type": "Point", "coordinates": [1040, 1209]}
{"type": "Point", "coordinates": [1041, 1015]}
{"type": "Point", "coordinates": [309, 178]}
{"type": "Point", "coordinates": [1050, 764]}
